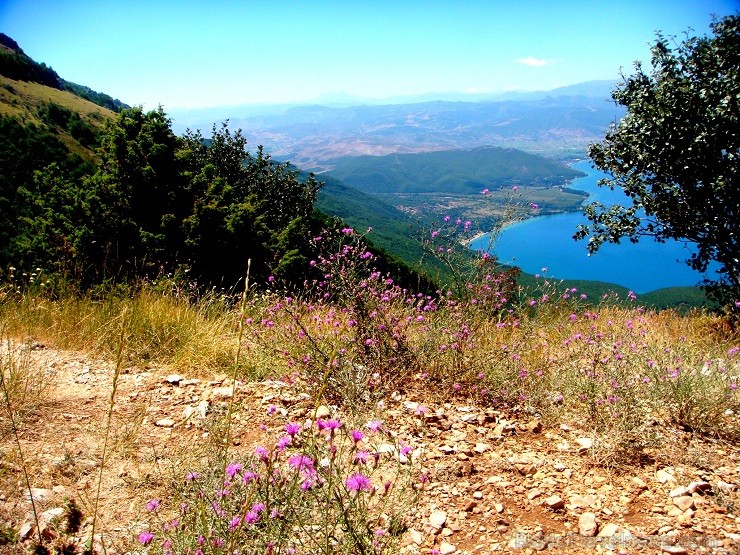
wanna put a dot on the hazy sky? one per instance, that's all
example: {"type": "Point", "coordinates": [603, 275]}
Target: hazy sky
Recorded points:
{"type": "Point", "coordinates": [187, 54]}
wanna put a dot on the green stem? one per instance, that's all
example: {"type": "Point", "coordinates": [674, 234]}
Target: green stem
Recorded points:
{"type": "Point", "coordinates": [109, 418]}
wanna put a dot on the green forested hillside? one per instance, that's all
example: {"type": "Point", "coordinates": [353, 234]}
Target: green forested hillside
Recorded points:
{"type": "Point", "coordinates": [451, 171]}
{"type": "Point", "coordinates": [93, 195]}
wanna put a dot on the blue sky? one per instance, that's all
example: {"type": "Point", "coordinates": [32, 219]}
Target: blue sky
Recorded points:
{"type": "Point", "coordinates": [192, 54]}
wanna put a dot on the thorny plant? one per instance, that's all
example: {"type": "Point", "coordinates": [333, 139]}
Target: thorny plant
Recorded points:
{"type": "Point", "coordinates": [323, 487]}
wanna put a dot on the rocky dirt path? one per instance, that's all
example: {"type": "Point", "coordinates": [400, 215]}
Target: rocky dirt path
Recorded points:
{"type": "Point", "coordinates": [497, 481]}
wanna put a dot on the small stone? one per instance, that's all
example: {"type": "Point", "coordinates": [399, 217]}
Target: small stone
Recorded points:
{"type": "Point", "coordinates": [610, 529]}
{"type": "Point", "coordinates": [587, 525]}
{"type": "Point", "coordinates": [584, 444]}
{"type": "Point", "coordinates": [322, 411]}
{"type": "Point", "coordinates": [560, 467]}
{"type": "Point", "coordinates": [222, 393]}
{"type": "Point", "coordinates": [533, 494]}
{"type": "Point", "coordinates": [437, 519]}
{"type": "Point", "coordinates": [174, 379]}
{"type": "Point", "coordinates": [700, 486]}
{"type": "Point", "coordinates": [165, 423]}
{"type": "Point", "coordinates": [663, 476]}
{"type": "Point", "coordinates": [498, 507]}
{"type": "Point", "coordinates": [639, 483]}
{"type": "Point", "coordinates": [446, 548]}
{"type": "Point", "coordinates": [683, 502]}
{"type": "Point", "coordinates": [481, 448]}
{"type": "Point", "coordinates": [678, 492]}
{"type": "Point", "coordinates": [478, 495]}
{"type": "Point", "coordinates": [554, 503]}
{"type": "Point", "coordinates": [416, 536]}
{"type": "Point", "coordinates": [26, 530]}
{"type": "Point", "coordinates": [39, 494]}
{"type": "Point", "coordinates": [51, 514]}
{"type": "Point", "coordinates": [686, 518]}
{"type": "Point", "coordinates": [725, 487]}
{"type": "Point", "coordinates": [674, 549]}
{"type": "Point", "coordinates": [673, 512]}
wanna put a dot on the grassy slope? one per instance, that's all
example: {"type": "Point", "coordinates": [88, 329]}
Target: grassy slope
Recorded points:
{"type": "Point", "coordinates": [22, 100]}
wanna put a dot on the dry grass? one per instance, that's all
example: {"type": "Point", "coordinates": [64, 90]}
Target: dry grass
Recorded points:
{"type": "Point", "coordinates": [624, 376]}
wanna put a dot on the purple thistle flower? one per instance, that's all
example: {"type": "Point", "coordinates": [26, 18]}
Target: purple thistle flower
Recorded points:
{"type": "Point", "coordinates": [153, 505]}
{"type": "Point", "coordinates": [357, 436]}
{"type": "Point", "coordinates": [361, 457]}
{"type": "Point", "coordinates": [283, 442]}
{"type": "Point", "coordinates": [192, 475]}
{"type": "Point", "coordinates": [262, 453]}
{"type": "Point", "coordinates": [258, 507]}
{"type": "Point", "coordinates": [332, 424]}
{"type": "Point", "coordinates": [233, 469]}
{"type": "Point", "coordinates": [359, 482]}
{"type": "Point", "coordinates": [249, 476]}
{"type": "Point", "coordinates": [292, 428]}
{"type": "Point", "coordinates": [235, 522]}
{"type": "Point", "coordinates": [374, 425]}
{"type": "Point", "coordinates": [251, 517]}
{"type": "Point", "coordinates": [303, 463]}
{"type": "Point", "coordinates": [146, 537]}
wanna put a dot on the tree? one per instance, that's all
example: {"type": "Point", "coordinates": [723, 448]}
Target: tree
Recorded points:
{"type": "Point", "coordinates": [676, 154]}
{"type": "Point", "coordinates": [244, 207]}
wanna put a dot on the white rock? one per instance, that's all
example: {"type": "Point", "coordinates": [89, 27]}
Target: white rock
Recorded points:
{"type": "Point", "coordinates": [26, 530]}
{"type": "Point", "coordinates": [51, 514]}
{"type": "Point", "coordinates": [674, 549]}
{"type": "Point", "coordinates": [584, 443]}
{"type": "Point", "coordinates": [700, 486]}
{"type": "Point", "coordinates": [322, 411]}
{"type": "Point", "coordinates": [174, 379]}
{"type": "Point", "coordinates": [165, 423]}
{"type": "Point", "coordinates": [610, 529]}
{"type": "Point", "coordinates": [678, 492]}
{"type": "Point", "coordinates": [39, 494]}
{"type": "Point", "coordinates": [416, 536]}
{"type": "Point", "coordinates": [725, 487]}
{"type": "Point", "coordinates": [554, 503]}
{"type": "Point", "coordinates": [446, 548]}
{"type": "Point", "coordinates": [664, 475]}
{"type": "Point", "coordinates": [222, 393]}
{"type": "Point", "coordinates": [437, 519]}
{"type": "Point", "coordinates": [587, 524]}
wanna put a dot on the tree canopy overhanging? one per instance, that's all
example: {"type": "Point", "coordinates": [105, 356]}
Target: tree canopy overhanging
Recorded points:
{"type": "Point", "coordinates": [676, 154]}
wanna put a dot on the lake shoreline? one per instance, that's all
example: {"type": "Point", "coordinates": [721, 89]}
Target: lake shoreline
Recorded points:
{"type": "Point", "coordinates": [547, 241]}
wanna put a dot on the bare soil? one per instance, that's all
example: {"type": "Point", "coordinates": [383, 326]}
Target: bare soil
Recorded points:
{"type": "Point", "coordinates": [499, 481]}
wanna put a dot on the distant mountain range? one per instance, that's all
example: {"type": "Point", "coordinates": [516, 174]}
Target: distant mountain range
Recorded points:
{"type": "Point", "coordinates": [559, 123]}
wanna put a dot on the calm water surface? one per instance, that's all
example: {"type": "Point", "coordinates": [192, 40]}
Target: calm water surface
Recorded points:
{"type": "Point", "coordinates": [546, 242]}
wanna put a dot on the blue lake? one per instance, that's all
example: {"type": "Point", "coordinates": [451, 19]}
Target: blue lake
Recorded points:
{"type": "Point", "coordinates": [547, 242]}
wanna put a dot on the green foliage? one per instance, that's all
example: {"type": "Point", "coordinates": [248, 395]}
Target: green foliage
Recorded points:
{"type": "Point", "coordinates": [63, 118]}
{"type": "Point", "coordinates": [101, 99]}
{"type": "Point", "coordinates": [245, 207]}
{"type": "Point", "coordinates": [154, 203]}
{"type": "Point", "coordinates": [14, 63]}
{"type": "Point", "coordinates": [452, 171]}
{"type": "Point", "coordinates": [676, 154]}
